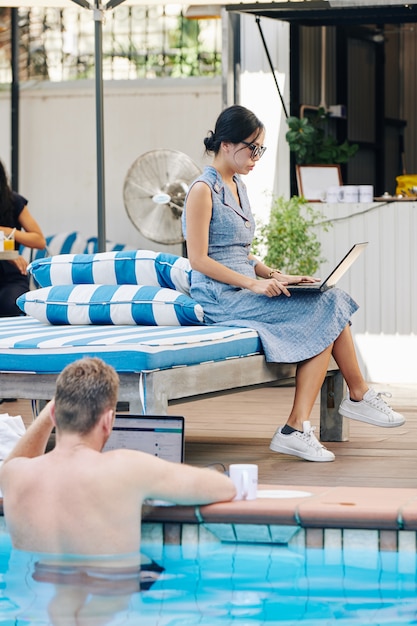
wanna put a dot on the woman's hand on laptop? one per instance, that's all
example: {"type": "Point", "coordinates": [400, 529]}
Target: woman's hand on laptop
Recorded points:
{"type": "Point", "coordinates": [277, 285]}
{"type": "Point", "coordinates": [295, 280]}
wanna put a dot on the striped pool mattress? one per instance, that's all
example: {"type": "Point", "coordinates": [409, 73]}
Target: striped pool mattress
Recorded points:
{"type": "Point", "coordinates": [27, 345]}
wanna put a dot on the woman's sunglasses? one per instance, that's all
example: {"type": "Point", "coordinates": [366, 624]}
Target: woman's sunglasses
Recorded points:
{"type": "Point", "coordinates": [256, 151]}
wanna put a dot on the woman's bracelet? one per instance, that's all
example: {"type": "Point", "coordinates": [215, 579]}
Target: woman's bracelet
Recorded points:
{"type": "Point", "coordinates": [273, 272]}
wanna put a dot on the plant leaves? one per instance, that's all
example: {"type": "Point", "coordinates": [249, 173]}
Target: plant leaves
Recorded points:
{"type": "Point", "coordinates": [291, 236]}
{"type": "Point", "coordinates": [311, 144]}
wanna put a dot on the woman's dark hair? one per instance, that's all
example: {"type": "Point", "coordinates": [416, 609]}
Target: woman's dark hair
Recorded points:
{"type": "Point", "coordinates": [233, 125]}
{"type": "Point", "coordinates": [6, 199]}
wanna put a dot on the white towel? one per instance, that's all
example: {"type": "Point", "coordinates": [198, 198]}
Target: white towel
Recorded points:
{"type": "Point", "coordinates": [12, 428]}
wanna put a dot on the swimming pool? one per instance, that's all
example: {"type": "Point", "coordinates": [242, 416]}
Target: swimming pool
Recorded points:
{"type": "Point", "coordinates": [212, 584]}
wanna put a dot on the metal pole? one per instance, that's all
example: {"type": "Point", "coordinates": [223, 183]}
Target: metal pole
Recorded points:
{"type": "Point", "coordinates": [236, 22]}
{"type": "Point", "coordinates": [15, 99]}
{"type": "Point", "coordinates": [231, 58]}
{"type": "Point", "coordinates": [98, 44]}
{"type": "Point", "coordinates": [268, 56]}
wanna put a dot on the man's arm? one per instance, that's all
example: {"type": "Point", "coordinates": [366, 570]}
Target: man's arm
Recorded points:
{"type": "Point", "coordinates": [175, 482]}
{"type": "Point", "coordinates": [34, 441]}
{"type": "Point", "coordinates": [186, 484]}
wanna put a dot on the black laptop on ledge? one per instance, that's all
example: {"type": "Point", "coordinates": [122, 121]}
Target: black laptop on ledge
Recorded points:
{"type": "Point", "coordinates": [336, 274]}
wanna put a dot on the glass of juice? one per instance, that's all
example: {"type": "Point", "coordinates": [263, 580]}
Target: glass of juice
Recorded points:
{"type": "Point", "coordinates": [8, 244]}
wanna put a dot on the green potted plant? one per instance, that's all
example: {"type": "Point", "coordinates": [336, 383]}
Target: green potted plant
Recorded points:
{"type": "Point", "coordinates": [311, 144]}
{"type": "Point", "coordinates": [289, 240]}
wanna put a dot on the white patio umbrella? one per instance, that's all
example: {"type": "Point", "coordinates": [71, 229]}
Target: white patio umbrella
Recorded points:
{"type": "Point", "coordinates": [98, 9]}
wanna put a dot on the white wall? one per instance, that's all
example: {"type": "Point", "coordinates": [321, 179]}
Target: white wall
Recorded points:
{"type": "Point", "coordinates": [58, 145]}
{"type": "Point", "coordinates": [382, 281]}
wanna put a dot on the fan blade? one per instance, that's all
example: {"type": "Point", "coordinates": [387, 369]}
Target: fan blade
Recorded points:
{"type": "Point", "coordinates": [154, 192]}
{"type": "Point", "coordinates": [143, 192]}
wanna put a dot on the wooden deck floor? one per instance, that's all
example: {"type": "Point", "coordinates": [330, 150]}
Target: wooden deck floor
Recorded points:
{"type": "Point", "coordinates": [237, 428]}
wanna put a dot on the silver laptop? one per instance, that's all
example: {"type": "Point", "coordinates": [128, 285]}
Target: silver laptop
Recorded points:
{"type": "Point", "coordinates": [159, 435]}
{"type": "Point", "coordinates": [336, 274]}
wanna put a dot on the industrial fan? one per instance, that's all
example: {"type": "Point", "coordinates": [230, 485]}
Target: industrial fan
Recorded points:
{"type": "Point", "coordinates": [154, 192]}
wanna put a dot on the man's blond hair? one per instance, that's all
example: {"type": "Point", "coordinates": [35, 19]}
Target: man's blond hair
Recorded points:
{"type": "Point", "coordinates": [84, 390]}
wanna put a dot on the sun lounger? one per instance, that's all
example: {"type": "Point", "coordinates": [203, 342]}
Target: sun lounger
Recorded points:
{"type": "Point", "coordinates": [157, 365]}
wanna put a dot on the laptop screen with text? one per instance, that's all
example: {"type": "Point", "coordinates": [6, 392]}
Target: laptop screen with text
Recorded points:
{"type": "Point", "coordinates": [161, 436]}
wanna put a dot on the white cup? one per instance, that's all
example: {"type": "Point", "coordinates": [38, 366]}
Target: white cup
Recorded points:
{"type": "Point", "coordinates": [245, 479]}
{"type": "Point", "coordinates": [366, 193]}
{"type": "Point", "coordinates": [1, 241]}
{"type": "Point", "coordinates": [349, 193]}
{"type": "Point", "coordinates": [332, 194]}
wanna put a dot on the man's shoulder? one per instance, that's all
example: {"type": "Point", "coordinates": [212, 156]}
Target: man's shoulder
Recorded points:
{"type": "Point", "coordinates": [12, 471]}
{"type": "Point", "coordinates": [127, 455]}
{"type": "Point", "coordinates": [140, 466]}
{"type": "Point", "coordinates": [13, 462]}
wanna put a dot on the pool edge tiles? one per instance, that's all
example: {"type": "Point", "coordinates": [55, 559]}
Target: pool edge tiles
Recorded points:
{"type": "Point", "coordinates": [191, 537]}
{"type": "Point", "coordinates": [368, 508]}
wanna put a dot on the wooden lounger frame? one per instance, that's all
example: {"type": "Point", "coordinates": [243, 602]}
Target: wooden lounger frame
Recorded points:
{"type": "Point", "coordinates": [170, 386]}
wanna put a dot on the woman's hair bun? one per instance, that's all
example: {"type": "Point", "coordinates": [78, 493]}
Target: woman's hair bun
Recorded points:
{"type": "Point", "coordinates": [210, 141]}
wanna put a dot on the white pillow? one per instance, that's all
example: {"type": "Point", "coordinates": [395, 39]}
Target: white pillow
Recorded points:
{"type": "Point", "coordinates": [126, 267]}
{"type": "Point", "coordinates": [111, 304]}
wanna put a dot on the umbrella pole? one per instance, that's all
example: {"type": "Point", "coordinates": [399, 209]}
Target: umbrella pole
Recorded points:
{"type": "Point", "coordinates": [15, 99]}
{"type": "Point", "coordinates": [101, 208]}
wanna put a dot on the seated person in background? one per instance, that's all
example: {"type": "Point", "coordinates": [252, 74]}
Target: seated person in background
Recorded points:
{"type": "Point", "coordinates": [78, 500]}
{"type": "Point", "coordinates": [14, 214]}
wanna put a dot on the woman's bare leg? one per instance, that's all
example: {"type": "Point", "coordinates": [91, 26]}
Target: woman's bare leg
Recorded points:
{"type": "Point", "coordinates": [308, 382]}
{"type": "Point", "coordinates": [362, 404]}
{"type": "Point", "coordinates": [311, 373]}
{"type": "Point", "coordinates": [297, 436]}
{"type": "Point", "coordinates": [344, 354]}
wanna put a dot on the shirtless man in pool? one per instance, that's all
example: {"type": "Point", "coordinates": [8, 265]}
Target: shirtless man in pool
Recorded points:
{"type": "Point", "coordinates": [77, 499]}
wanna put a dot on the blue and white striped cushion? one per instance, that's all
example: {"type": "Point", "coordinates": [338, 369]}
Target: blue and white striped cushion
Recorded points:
{"type": "Point", "coordinates": [29, 345]}
{"type": "Point", "coordinates": [62, 243]}
{"type": "Point", "coordinates": [92, 246]}
{"type": "Point", "coordinates": [111, 304]}
{"type": "Point", "coordinates": [127, 267]}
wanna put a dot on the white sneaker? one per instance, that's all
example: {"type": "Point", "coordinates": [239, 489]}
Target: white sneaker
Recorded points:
{"type": "Point", "coordinates": [303, 444]}
{"type": "Point", "coordinates": [372, 409]}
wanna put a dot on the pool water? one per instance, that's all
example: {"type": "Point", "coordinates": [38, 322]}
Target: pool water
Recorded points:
{"type": "Point", "coordinates": [214, 584]}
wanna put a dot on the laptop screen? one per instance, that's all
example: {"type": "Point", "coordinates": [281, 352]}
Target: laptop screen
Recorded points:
{"type": "Point", "coordinates": [336, 273]}
{"type": "Point", "coordinates": [161, 436]}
